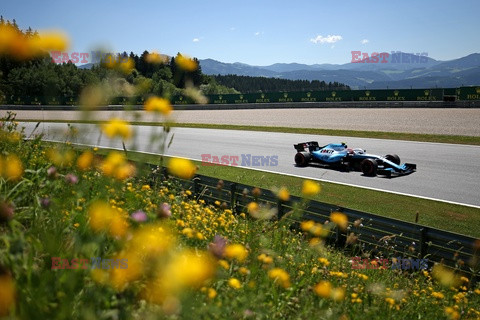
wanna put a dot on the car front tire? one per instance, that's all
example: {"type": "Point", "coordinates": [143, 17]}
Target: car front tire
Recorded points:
{"type": "Point", "coordinates": [393, 158]}
{"type": "Point", "coordinates": [369, 167]}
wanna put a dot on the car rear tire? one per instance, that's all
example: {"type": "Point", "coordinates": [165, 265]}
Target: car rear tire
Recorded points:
{"type": "Point", "coordinates": [393, 158]}
{"type": "Point", "coordinates": [369, 167]}
{"type": "Point", "coordinates": [302, 158]}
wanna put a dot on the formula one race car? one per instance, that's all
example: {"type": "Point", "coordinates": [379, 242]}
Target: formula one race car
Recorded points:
{"type": "Point", "coordinates": [340, 156]}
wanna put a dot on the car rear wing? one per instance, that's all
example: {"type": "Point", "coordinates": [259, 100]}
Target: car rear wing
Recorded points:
{"type": "Point", "coordinates": [312, 146]}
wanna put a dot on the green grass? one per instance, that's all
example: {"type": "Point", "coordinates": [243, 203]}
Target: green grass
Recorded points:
{"type": "Point", "coordinates": [441, 215]}
{"type": "Point", "coordinates": [348, 133]}
{"type": "Point", "coordinates": [470, 140]}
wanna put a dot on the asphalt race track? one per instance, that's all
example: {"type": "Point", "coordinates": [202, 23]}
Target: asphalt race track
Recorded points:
{"type": "Point", "coordinates": [445, 172]}
{"type": "Point", "coordinates": [456, 121]}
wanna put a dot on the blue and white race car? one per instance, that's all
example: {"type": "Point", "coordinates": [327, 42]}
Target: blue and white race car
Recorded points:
{"type": "Point", "coordinates": [340, 156]}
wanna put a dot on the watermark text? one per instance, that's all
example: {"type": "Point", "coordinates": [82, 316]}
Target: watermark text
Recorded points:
{"type": "Point", "coordinates": [245, 160]}
{"type": "Point", "coordinates": [395, 57]}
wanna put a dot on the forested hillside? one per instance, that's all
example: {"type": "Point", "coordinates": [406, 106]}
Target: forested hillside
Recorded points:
{"type": "Point", "coordinates": [247, 84]}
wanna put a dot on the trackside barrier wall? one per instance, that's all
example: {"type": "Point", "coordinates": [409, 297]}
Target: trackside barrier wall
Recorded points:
{"type": "Point", "coordinates": [378, 235]}
{"type": "Point", "coordinates": [386, 95]}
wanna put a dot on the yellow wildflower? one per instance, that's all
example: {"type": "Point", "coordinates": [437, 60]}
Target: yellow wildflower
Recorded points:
{"type": "Point", "coordinates": [161, 105]}
{"type": "Point", "coordinates": [8, 38]}
{"type": "Point", "coordinates": [338, 274]}
{"type": "Point", "coordinates": [180, 223]}
{"type": "Point", "coordinates": [323, 289]}
{"type": "Point", "coordinates": [236, 251]}
{"type": "Point", "coordinates": [118, 226]}
{"type": "Point", "coordinates": [234, 283]}
{"type": "Point", "coordinates": [186, 63]}
{"type": "Point", "coordinates": [244, 271]}
{"type": "Point", "coordinates": [13, 168]}
{"type": "Point", "coordinates": [7, 294]}
{"type": "Point", "coordinates": [337, 294]}
{"type": "Point", "coordinates": [438, 295]}
{"type": "Point", "coordinates": [84, 161]}
{"type": "Point", "coordinates": [307, 225]}
{"type": "Point", "coordinates": [224, 264]}
{"type": "Point", "coordinates": [127, 65]}
{"type": "Point", "coordinates": [52, 41]}
{"type": "Point", "coordinates": [324, 261]}
{"type": "Point", "coordinates": [310, 188]}
{"type": "Point", "coordinates": [125, 171]}
{"type": "Point", "coordinates": [188, 232]}
{"type": "Point", "coordinates": [265, 259]}
{"type": "Point", "coordinates": [155, 58]}
{"type": "Point", "coordinates": [119, 278]}
{"type": "Point", "coordinates": [182, 168]}
{"type": "Point", "coordinates": [117, 127]}
{"type": "Point", "coordinates": [13, 43]}
{"type": "Point", "coordinates": [314, 242]}
{"type": "Point", "coordinates": [281, 276]}
{"type": "Point", "coordinates": [339, 219]}
{"type": "Point", "coordinates": [283, 194]}
{"type": "Point", "coordinates": [252, 207]}
{"type": "Point", "coordinates": [212, 293]}
{"type": "Point", "coordinates": [100, 216]}
{"type": "Point", "coordinates": [104, 218]}
{"type": "Point", "coordinates": [445, 276]}
{"type": "Point", "coordinates": [61, 157]}
{"type": "Point", "coordinates": [188, 269]}
{"type": "Point", "coordinates": [362, 276]}
{"type": "Point", "coordinates": [153, 240]}
{"type": "Point", "coordinates": [317, 230]}
{"type": "Point", "coordinates": [109, 61]}
{"type": "Point", "coordinates": [390, 301]}
{"type": "Point", "coordinates": [116, 165]}
{"type": "Point", "coordinates": [452, 313]}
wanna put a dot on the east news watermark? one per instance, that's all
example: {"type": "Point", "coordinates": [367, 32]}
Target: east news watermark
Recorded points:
{"type": "Point", "coordinates": [244, 160]}
{"type": "Point", "coordinates": [397, 57]}
{"type": "Point", "coordinates": [87, 57]}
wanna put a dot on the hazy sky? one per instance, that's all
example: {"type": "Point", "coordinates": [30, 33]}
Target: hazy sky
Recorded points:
{"type": "Point", "coordinates": [260, 32]}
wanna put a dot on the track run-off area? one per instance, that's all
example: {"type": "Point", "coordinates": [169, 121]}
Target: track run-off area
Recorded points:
{"type": "Point", "coordinates": [445, 172]}
{"type": "Point", "coordinates": [445, 121]}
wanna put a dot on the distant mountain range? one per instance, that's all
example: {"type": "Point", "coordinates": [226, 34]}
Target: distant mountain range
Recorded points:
{"type": "Point", "coordinates": [87, 65]}
{"type": "Point", "coordinates": [401, 71]}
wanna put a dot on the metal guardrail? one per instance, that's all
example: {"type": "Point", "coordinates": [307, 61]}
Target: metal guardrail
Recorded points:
{"type": "Point", "coordinates": [376, 235]}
